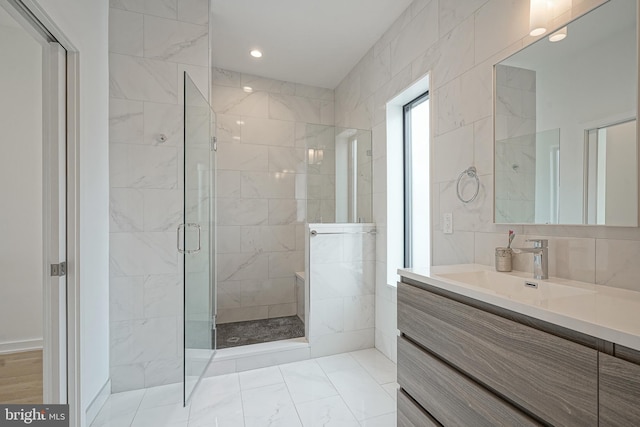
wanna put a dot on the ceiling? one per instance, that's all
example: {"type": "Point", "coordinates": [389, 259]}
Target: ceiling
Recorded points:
{"type": "Point", "coordinates": [314, 42]}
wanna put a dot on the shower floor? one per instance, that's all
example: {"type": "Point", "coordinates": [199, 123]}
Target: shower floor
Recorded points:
{"type": "Point", "coordinates": [258, 331]}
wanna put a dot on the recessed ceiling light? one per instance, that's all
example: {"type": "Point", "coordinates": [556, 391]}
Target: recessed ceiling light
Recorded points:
{"type": "Point", "coordinates": [256, 53]}
{"type": "Point", "coordinates": [247, 89]}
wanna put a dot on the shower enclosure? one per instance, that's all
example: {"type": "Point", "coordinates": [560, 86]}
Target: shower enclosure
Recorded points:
{"type": "Point", "coordinates": [339, 174]}
{"type": "Point", "coordinates": [196, 235]}
{"type": "Point", "coordinates": [325, 178]}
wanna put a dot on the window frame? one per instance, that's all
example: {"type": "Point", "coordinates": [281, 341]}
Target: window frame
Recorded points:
{"type": "Point", "coordinates": [407, 176]}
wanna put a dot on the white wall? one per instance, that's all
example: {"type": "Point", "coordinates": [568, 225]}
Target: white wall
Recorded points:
{"type": "Point", "coordinates": [458, 42]}
{"type": "Point", "coordinates": [85, 24]}
{"type": "Point", "coordinates": [21, 190]}
{"type": "Point", "coordinates": [151, 44]}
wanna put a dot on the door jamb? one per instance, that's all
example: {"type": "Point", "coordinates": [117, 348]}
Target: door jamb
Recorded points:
{"type": "Point", "coordinates": [74, 391]}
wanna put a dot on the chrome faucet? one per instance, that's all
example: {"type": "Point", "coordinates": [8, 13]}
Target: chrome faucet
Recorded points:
{"type": "Point", "coordinates": [540, 257]}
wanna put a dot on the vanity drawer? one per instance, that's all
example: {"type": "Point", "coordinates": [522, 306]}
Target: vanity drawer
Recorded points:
{"type": "Point", "coordinates": [452, 398]}
{"type": "Point", "coordinates": [550, 377]}
{"type": "Point", "coordinates": [412, 415]}
{"type": "Point", "coordinates": [619, 392]}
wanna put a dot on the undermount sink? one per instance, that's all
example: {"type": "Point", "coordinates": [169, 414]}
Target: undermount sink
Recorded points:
{"type": "Point", "coordinates": [514, 286]}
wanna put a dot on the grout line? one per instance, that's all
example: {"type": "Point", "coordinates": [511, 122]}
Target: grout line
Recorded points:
{"type": "Point", "coordinates": [284, 380]}
{"type": "Point", "coordinates": [138, 407]}
{"type": "Point", "coordinates": [340, 394]}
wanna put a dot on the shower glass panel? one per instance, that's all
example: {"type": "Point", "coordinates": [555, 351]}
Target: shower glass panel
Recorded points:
{"type": "Point", "coordinates": [339, 174]}
{"type": "Point", "coordinates": [198, 230]}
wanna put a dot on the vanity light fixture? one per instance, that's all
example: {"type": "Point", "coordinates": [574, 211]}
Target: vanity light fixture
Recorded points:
{"type": "Point", "coordinates": [561, 34]}
{"type": "Point", "coordinates": [256, 53]}
{"type": "Point", "coordinates": [538, 16]}
{"type": "Point", "coordinates": [315, 156]}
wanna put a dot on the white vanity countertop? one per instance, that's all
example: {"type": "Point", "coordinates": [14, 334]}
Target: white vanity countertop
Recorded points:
{"type": "Point", "coordinates": [604, 312]}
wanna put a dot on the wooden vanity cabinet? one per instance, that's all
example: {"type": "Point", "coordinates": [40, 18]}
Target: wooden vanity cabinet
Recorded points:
{"type": "Point", "coordinates": [451, 398]}
{"type": "Point", "coordinates": [410, 414]}
{"type": "Point", "coordinates": [548, 378]}
{"type": "Point", "coordinates": [463, 362]}
{"type": "Point", "coordinates": [619, 392]}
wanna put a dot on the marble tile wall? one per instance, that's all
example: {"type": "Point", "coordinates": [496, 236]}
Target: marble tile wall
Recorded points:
{"type": "Point", "coordinates": [151, 44]}
{"type": "Point", "coordinates": [515, 159]}
{"type": "Point", "coordinates": [458, 42]}
{"type": "Point", "coordinates": [263, 131]}
{"type": "Point", "coordinates": [341, 288]}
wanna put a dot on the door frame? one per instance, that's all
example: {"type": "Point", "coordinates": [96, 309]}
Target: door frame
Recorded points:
{"type": "Point", "coordinates": [64, 123]}
{"type": "Point", "coordinates": [54, 227]}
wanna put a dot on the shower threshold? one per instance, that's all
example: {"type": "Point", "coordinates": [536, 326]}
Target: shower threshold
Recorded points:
{"type": "Point", "coordinates": [237, 334]}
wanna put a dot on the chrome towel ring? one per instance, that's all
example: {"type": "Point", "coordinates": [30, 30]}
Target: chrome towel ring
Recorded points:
{"type": "Point", "coordinates": [471, 173]}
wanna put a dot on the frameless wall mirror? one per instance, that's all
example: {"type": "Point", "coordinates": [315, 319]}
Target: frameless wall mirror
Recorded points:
{"type": "Point", "coordinates": [566, 148]}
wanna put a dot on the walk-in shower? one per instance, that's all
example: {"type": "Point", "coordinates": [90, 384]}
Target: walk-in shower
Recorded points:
{"type": "Point", "coordinates": [324, 178]}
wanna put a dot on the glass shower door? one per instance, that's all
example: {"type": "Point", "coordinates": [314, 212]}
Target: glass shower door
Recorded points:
{"type": "Point", "coordinates": [198, 245]}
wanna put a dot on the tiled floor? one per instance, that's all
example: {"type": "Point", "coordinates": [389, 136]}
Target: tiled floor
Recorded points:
{"type": "Point", "coordinates": [355, 389]}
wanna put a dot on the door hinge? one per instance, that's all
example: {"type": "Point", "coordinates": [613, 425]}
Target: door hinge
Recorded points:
{"type": "Point", "coordinates": [59, 270]}
{"type": "Point", "coordinates": [214, 143]}
{"type": "Point", "coordinates": [214, 321]}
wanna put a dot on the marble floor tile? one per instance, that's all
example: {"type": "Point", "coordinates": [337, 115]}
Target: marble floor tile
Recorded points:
{"type": "Point", "coordinates": [216, 386]}
{"type": "Point", "coordinates": [222, 410]}
{"type": "Point", "coordinates": [386, 420]}
{"type": "Point", "coordinates": [376, 364]}
{"type": "Point", "coordinates": [327, 412]}
{"type": "Point", "coordinates": [362, 394]}
{"type": "Point", "coordinates": [162, 416]}
{"type": "Point", "coordinates": [306, 381]}
{"type": "Point", "coordinates": [340, 390]}
{"type": "Point", "coordinates": [119, 404]}
{"type": "Point", "coordinates": [337, 362]}
{"type": "Point", "coordinates": [116, 420]}
{"type": "Point", "coordinates": [162, 396]}
{"type": "Point", "coordinates": [269, 406]}
{"type": "Point", "coordinates": [260, 378]}
{"type": "Point", "coordinates": [392, 390]}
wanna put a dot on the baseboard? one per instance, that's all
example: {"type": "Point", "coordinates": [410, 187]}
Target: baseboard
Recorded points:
{"type": "Point", "coordinates": [20, 346]}
{"type": "Point", "coordinates": [98, 402]}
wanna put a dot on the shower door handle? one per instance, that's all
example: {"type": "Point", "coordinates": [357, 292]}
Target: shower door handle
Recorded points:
{"type": "Point", "coordinates": [184, 227]}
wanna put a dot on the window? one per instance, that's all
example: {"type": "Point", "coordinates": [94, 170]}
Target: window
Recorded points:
{"type": "Point", "coordinates": [395, 167]}
{"type": "Point", "coordinates": [416, 183]}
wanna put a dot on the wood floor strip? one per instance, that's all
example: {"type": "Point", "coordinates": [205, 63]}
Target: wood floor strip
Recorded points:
{"type": "Point", "coordinates": [21, 377]}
